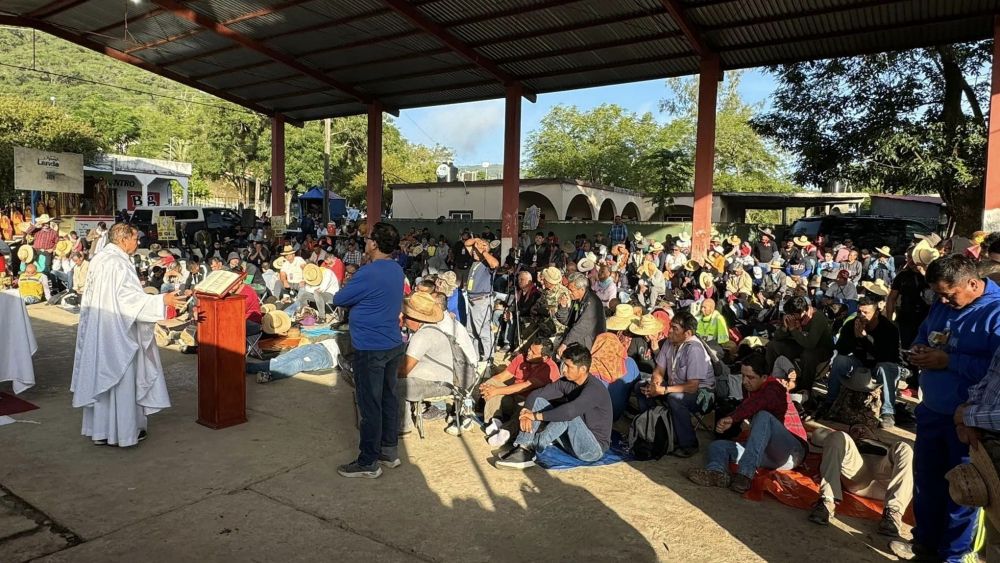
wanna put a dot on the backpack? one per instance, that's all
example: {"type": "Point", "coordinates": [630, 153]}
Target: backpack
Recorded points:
{"type": "Point", "coordinates": [882, 273]}
{"type": "Point", "coordinates": [651, 434]}
{"type": "Point", "coordinates": [464, 373]}
{"type": "Point", "coordinates": [719, 369]}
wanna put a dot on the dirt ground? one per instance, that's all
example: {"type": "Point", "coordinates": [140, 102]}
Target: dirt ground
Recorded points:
{"type": "Point", "coordinates": [267, 490]}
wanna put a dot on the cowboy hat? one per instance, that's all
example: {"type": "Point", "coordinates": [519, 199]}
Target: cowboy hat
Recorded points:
{"type": "Point", "coordinates": [586, 264]}
{"type": "Point", "coordinates": [267, 308]}
{"type": "Point", "coordinates": [791, 283]}
{"type": "Point", "coordinates": [287, 250]}
{"type": "Point", "coordinates": [646, 325]}
{"type": "Point", "coordinates": [449, 279]}
{"type": "Point", "coordinates": [568, 247]}
{"type": "Point", "coordinates": [860, 380]}
{"type": "Point", "coordinates": [876, 287]}
{"type": "Point", "coordinates": [932, 239]}
{"type": "Point", "coordinates": [692, 265]}
{"type": "Point", "coordinates": [312, 275]}
{"type": "Point", "coordinates": [637, 236]}
{"type": "Point", "coordinates": [776, 263]}
{"type": "Point", "coordinates": [766, 232]}
{"type": "Point", "coordinates": [151, 290]}
{"type": "Point", "coordinates": [923, 254]}
{"type": "Point", "coordinates": [735, 240]}
{"type": "Point", "coordinates": [155, 247]}
{"type": "Point", "coordinates": [422, 307]}
{"type": "Point", "coordinates": [494, 244]}
{"type": "Point", "coordinates": [25, 253]}
{"type": "Point", "coordinates": [622, 318]}
{"type": "Point", "coordinates": [276, 322]}
{"type": "Point", "coordinates": [684, 237]}
{"type": "Point", "coordinates": [977, 483]}
{"type": "Point", "coordinates": [43, 219]}
{"type": "Point", "coordinates": [884, 251]}
{"type": "Point", "coordinates": [656, 247]}
{"type": "Point", "coordinates": [278, 263]}
{"type": "Point", "coordinates": [63, 248]}
{"type": "Point", "coordinates": [801, 240]}
{"type": "Point", "coordinates": [705, 280]}
{"type": "Point", "coordinates": [552, 275]}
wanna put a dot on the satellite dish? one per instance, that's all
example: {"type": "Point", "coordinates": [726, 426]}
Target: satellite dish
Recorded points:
{"type": "Point", "coordinates": [486, 164]}
{"type": "Point", "coordinates": [443, 170]}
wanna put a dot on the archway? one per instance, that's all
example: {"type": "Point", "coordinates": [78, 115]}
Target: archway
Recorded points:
{"type": "Point", "coordinates": [608, 211]}
{"type": "Point", "coordinates": [579, 208]}
{"type": "Point", "coordinates": [631, 212]}
{"type": "Point", "coordinates": [527, 199]}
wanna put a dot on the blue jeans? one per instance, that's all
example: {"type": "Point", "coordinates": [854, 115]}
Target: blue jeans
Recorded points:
{"type": "Point", "coordinates": [941, 524]}
{"type": "Point", "coordinates": [574, 437]}
{"type": "Point", "coordinates": [375, 374]}
{"type": "Point", "coordinates": [770, 445]}
{"type": "Point", "coordinates": [311, 357]}
{"type": "Point", "coordinates": [886, 373]}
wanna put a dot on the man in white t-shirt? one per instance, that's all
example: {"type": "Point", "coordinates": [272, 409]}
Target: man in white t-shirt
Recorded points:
{"type": "Point", "coordinates": [291, 270]}
{"type": "Point", "coordinates": [428, 365]}
{"type": "Point", "coordinates": [319, 285]}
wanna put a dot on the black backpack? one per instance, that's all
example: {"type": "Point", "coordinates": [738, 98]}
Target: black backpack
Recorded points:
{"type": "Point", "coordinates": [651, 434]}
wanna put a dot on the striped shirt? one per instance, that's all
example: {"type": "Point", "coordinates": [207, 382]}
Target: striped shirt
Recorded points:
{"type": "Point", "coordinates": [983, 410]}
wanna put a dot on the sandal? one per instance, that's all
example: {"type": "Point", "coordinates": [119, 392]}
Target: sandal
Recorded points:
{"type": "Point", "coordinates": [264, 377]}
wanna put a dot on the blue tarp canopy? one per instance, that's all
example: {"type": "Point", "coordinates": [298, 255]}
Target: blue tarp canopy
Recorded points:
{"type": "Point", "coordinates": [338, 205]}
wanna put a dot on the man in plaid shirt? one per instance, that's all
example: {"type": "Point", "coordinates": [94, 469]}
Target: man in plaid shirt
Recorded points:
{"type": "Point", "coordinates": [618, 232]}
{"type": "Point", "coordinates": [352, 256]}
{"type": "Point", "coordinates": [982, 410]}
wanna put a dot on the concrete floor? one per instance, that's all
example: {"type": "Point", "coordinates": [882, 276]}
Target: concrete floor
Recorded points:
{"type": "Point", "coordinates": [267, 490]}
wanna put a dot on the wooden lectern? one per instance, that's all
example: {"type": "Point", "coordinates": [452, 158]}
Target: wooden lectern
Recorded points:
{"type": "Point", "coordinates": [222, 391]}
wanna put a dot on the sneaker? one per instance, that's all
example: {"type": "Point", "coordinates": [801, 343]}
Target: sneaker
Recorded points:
{"type": "Point", "coordinates": [907, 551]}
{"type": "Point", "coordinates": [891, 521]}
{"type": "Point", "coordinates": [453, 428]}
{"type": "Point", "coordinates": [499, 438]}
{"type": "Point", "coordinates": [520, 458]}
{"type": "Point", "coordinates": [100, 442]}
{"type": "Point", "coordinates": [142, 435]}
{"type": "Point", "coordinates": [822, 511]}
{"type": "Point", "coordinates": [264, 377]}
{"type": "Point", "coordinates": [684, 452]}
{"type": "Point", "coordinates": [433, 413]}
{"type": "Point", "coordinates": [492, 428]}
{"type": "Point", "coordinates": [391, 463]}
{"type": "Point", "coordinates": [709, 478]}
{"type": "Point", "coordinates": [354, 470]}
{"type": "Point", "coordinates": [740, 484]}
{"type": "Point", "coordinates": [505, 451]}
{"type": "Point", "coordinates": [886, 421]}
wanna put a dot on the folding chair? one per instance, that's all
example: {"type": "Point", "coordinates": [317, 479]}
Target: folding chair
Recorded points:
{"type": "Point", "coordinates": [253, 348]}
{"type": "Point", "coordinates": [705, 406]}
{"type": "Point", "coordinates": [419, 417]}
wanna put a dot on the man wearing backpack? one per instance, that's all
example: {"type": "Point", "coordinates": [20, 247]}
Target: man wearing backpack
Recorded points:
{"type": "Point", "coordinates": [427, 369]}
{"type": "Point", "coordinates": [683, 367]}
{"type": "Point", "coordinates": [884, 268]}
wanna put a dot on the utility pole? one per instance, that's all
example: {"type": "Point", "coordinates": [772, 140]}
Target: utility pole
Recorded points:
{"type": "Point", "coordinates": [326, 172]}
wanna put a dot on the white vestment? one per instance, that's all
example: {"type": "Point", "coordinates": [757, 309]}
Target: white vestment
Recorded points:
{"type": "Point", "coordinates": [117, 376]}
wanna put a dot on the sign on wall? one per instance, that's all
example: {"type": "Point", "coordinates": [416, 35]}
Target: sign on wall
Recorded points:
{"type": "Point", "coordinates": [278, 225]}
{"type": "Point", "coordinates": [48, 171]}
{"type": "Point", "coordinates": [133, 199]}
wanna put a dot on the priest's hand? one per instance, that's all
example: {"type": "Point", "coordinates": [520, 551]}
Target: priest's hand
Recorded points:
{"type": "Point", "coordinates": [171, 299]}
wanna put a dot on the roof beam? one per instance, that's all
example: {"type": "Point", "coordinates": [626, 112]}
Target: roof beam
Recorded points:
{"type": "Point", "coordinates": [417, 18]}
{"type": "Point", "coordinates": [53, 8]}
{"type": "Point", "coordinates": [676, 12]}
{"type": "Point", "coordinates": [138, 17]}
{"type": "Point", "coordinates": [776, 18]}
{"type": "Point", "coordinates": [223, 31]}
{"type": "Point", "coordinates": [129, 59]}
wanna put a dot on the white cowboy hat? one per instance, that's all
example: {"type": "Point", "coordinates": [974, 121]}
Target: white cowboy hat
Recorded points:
{"type": "Point", "coordinates": [877, 287]}
{"type": "Point", "coordinates": [684, 237]}
{"type": "Point", "coordinates": [585, 265]}
{"type": "Point", "coordinates": [923, 254]}
{"type": "Point", "coordinates": [705, 280]}
{"type": "Point", "coordinates": [884, 251]}
{"type": "Point", "coordinates": [43, 219]}
{"type": "Point", "coordinates": [287, 250]}
{"type": "Point", "coordinates": [552, 275]}
{"type": "Point", "coordinates": [25, 253]}
{"type": "Point", "coordinates": [637, 236]}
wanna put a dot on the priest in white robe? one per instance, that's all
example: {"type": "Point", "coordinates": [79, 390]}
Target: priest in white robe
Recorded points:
{"type": "Point", "coordinates": [117, 376]}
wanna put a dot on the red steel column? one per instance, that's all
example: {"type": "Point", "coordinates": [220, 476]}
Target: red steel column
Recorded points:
{"type": "Point", "coordinates": [374, 164]}
{"type": "Point", "coordinates": [511, 167]}
{"type": "Point", "coordinates": [991, 204]}
{"type": "Point", "coordinates": [704, 155]}
{"type": "Point", "coordinates": [277, 165]}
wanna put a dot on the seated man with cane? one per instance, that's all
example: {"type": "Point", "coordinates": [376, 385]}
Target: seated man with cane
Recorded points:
{"type": "Point", "coordinates": [574, 411]}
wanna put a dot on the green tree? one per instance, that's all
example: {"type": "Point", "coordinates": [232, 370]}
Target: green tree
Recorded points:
{"type": "Point", "coordinates": [900, 122]}
{"type": "Point", "coordinates": [39, 125]}
{"type": "Point", "coordinates": [118, 126]}
{"type": "Point", "coordinates": [236, 149]}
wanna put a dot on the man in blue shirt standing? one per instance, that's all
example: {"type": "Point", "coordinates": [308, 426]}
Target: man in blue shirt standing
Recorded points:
{"type": "Point", "coordinates": [375, 298]}
{"type": "Point", "coordinates": [953, 351]}
{"type": "Point", "coordinates": [618, 233]}
{"type": "Point", "coordinates": [479, 289]}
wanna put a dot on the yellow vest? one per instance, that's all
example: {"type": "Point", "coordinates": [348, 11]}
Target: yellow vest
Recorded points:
{"type": "Point", "coordinates": [31, 286]}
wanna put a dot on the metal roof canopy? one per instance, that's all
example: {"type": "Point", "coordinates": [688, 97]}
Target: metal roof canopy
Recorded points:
{"type": "Point", "coordinates": [310, 59]}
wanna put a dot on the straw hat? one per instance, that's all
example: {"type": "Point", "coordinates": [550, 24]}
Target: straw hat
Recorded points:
{"type": "Point", "coordinates": [312, 275]}
{"type": "Point", "coordinates": [449, 279]}
{"type": "Point", "coordinates": [791, 283]}
{"type": "Point", "coordinates": [155, 247]}
{"type": "Point", "coordinates": [637, 236]}
{"type": "Point", "coordinates": [766, 232]}
{"type": "Point", "coordinates": [267, 308]}
{"type": "Point", "coordinates": [151, 290]}
{"type": "Point", "coordinates": [25, 253]}
{"type": "Point", "coordinates": [568, 247]}
{"type": "Point", "coordinates": [43, 219]}
{"type": "Point", "coordinates": [552, 275]}
{"type": "Point", "coordinates": [622, 318]}
{"type": "Point", "coordinates": [876, 287]}
{"type": "Point", "coordinates": [801, 241]}
{"type": "Point", "coordinates": [586, 264]}
{"type": "Point", "coordinates": [705, 280]}
{"type": "Point", "coordinates": [684, 237]}
{"type": "Point", "coordinates": [923, 254]}
{"type": "Point", "coordinates": [884, 251]}
{"type": "Point", "coordinates": [932, 239]}
{"type": "Point", "coordinates": [287, 250]}
{"type": "Point", "coordinates": [646, 325]}
{"type": "Point", "coordinates": [977, 483]}
{"type": "Point", "coordinates": [656, 247]}
{"type": "Point", "coordinates": [278, 263]}
{"type": "Point", "coordinates": [735, 240]}
{"type": "Point", "coordinates": [691, 265]}
{"type": "Point", "coordinates": [276, 322]}
{"type": "Point", "coordinates": [776, 263]}
{"type": "Point", "coordinates": [63, 248]}
{"type": "Point", "coordinates": [422, 307]}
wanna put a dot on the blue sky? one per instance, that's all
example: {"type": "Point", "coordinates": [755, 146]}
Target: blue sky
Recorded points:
{"type": "Point", "coordinates": [475, 130]}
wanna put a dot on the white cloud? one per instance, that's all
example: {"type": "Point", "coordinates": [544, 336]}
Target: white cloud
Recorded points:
{"type": "Point", "coordinates": [464, 127]}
